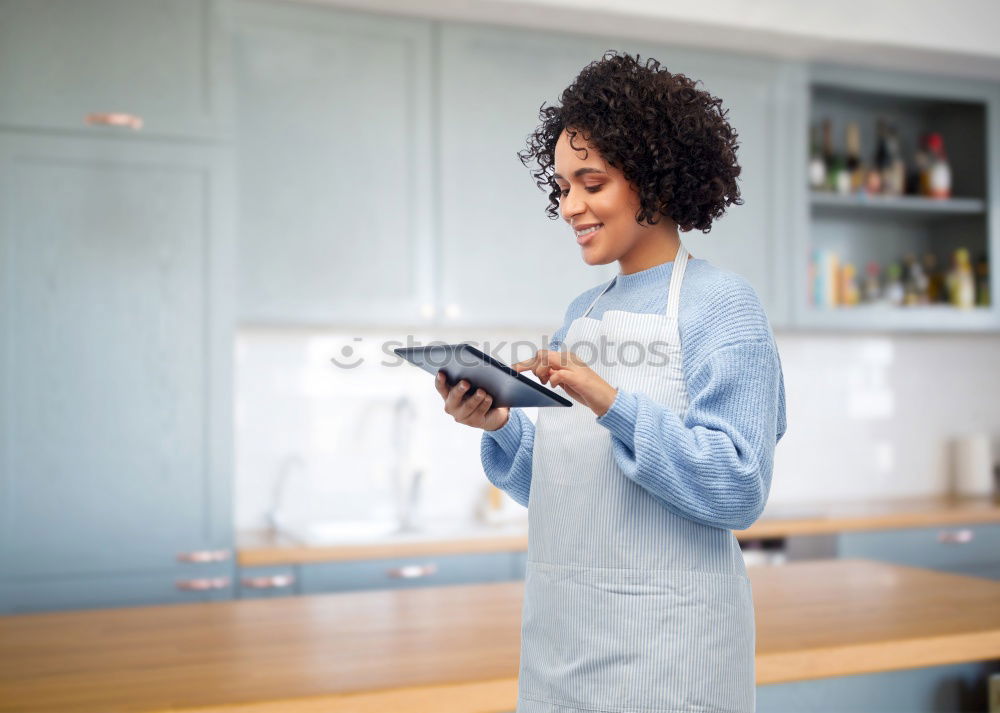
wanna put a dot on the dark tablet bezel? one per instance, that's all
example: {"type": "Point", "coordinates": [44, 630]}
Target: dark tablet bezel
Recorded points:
{"type": "Point", "coordinates": [562, 401]}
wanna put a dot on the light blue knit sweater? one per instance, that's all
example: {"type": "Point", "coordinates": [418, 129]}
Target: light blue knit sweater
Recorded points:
{"type": "Point", "coordinates": [712, 464]}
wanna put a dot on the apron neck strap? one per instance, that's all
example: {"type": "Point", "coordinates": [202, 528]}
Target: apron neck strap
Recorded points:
{"type": "Point", "coordinates": [676, 278]}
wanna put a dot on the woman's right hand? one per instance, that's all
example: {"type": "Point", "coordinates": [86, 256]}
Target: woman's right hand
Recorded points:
{"type": "Point", "coordinates": [473, 411]}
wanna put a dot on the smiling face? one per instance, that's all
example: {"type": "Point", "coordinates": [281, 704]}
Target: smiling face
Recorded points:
{"type": "Point", "coordinates": [594, 192]}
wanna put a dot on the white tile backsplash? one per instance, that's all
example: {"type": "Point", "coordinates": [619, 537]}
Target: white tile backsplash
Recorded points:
{"type": "Point", "coordinates": [868, 416]}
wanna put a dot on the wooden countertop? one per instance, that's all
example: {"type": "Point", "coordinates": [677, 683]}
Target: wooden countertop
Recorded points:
{"type": "Point", "coordinates": [454, 648]}
{"type": "Point", "coordinates": [258, 548]}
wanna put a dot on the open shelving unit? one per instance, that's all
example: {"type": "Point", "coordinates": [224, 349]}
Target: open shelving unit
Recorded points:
{"type": "Point", "coordinates": [885, 228]}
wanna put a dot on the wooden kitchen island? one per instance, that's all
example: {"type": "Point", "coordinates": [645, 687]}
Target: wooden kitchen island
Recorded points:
{"type": "Point", "coordinates": [455, 649]}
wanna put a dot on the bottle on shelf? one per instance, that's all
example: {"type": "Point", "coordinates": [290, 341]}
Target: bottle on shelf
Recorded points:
{"type": "Point", "coordinates": [894, 178]}
{"type": "Point", "coordinates": [894, 293]}
{"type": "Point", "coordinates": [938, 171]}
{"type": "Point", "coordinates": [982, 281]}
{"type": "Point", "coordinates": [914, 282]}
{"type": "Point", "coordinates": [875, 181]}
{"type": "Point", "coordinates": [916, 174]}
{"type": "Point", "coordinates": [872, 293]}
{"type": "Point", "coordinates": [849, 292]}
{"type": "Point", "coordinates": [935, 280]}
{"type": "Point", "coordinates": [961, 281]}
{"type": "Point", "coordinates": [837, 179]}
{"type": "Point", "coordinates": [854, 165]}
{"type": "Point", "coordinates": [817, 164]}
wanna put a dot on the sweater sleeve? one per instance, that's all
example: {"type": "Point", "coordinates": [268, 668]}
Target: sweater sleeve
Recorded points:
{"type": "Point", "coordinates": [506, 455]}
{"type": "Point", "coordinates": [713, 463]}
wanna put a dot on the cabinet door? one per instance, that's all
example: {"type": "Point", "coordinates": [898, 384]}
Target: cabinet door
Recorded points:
{"type": "Point", "coordinates": [504, 261]}
{"type": "Point", "coordinates": [162, 60]}
{"type": "Point", "coordinates": [180, 586]}
{"type": "Point", "coordinates": [406, 572]}
{"type": "Point", "coordinates": [335, 166]}
{"type": "Point", "coordinates": [115, 320]}
{"type": "Point", "coordinates": [519, 563]}
{"type": "Point", "coordinates": [953, 548]}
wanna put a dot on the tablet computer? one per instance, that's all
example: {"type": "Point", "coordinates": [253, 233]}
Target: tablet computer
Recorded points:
{"type": "Point", "coordinates": [507, 386]}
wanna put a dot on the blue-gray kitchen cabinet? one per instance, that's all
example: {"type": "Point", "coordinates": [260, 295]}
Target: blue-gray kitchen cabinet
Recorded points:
{"type": "Point", "coordinates": [406, 572]}
{"type": "Point", "coordinates": [962, 549]}
{"type": "Point", "coordinates": [116, 312]}
{"type": "Point", "coordinates": [335, 168]}
{"type": "Point", "coordinates": [519, 563]}
{"type": "Point", "coordinates": [161, 60]}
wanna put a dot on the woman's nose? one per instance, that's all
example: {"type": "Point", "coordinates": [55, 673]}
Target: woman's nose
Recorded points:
{"type": "Point", "coordinates": [572, 206]}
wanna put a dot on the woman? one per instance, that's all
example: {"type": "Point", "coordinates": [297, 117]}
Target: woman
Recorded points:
{"type": "Point", "coordinates": [636, 594]}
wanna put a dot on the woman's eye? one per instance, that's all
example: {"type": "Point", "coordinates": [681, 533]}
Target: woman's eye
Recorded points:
{"type": "Point", "coordinates": [591, 189]}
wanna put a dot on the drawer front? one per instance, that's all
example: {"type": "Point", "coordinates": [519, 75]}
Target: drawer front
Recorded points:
{"type": "Point", "coordinates": [23, 595]}
{"type": "Point", "coordinates": [267, 582]}
{"type": "Point", "coordinates": [989, 571]}
{"type": "Point", "coordinates": [405, 572]}
{"type": "Point", "coordinates": [940, 547]}
{"type": "Point", "coordinates": [519, 564]}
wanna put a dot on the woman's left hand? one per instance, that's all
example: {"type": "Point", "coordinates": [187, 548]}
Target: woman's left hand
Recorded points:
{"type": "Point", "coordinates": [565, 369]}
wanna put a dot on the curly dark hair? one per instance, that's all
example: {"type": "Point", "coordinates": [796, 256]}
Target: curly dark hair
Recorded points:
{"type": "Point", "coordinates": [670, 140]}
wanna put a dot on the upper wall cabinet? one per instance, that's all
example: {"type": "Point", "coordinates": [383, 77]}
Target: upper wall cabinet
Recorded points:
{"type": "Point", "coordinates": [503, 260]}
{"type": "Point", "coordinates": [335, 166]}
{"type": "Point", "coordinates": [104, 65]}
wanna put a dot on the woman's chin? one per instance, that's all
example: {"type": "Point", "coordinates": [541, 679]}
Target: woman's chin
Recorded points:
{"type": "Point", "coordinates": [593, 256]}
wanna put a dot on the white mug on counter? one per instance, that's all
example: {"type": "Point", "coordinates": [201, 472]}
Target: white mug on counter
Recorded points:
{"type": "Point", "coordinates": [972, 465]}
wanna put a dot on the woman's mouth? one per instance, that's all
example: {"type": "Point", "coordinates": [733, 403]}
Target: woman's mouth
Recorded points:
{"type": "Point", "coordinates": [587, 235]}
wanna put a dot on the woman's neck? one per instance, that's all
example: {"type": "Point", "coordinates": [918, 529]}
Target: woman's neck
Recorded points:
{"type": "Point", "coordinates": [654, 250]}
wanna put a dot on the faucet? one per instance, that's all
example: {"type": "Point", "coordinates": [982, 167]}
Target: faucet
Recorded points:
{"type": "Point", "coordinates": [288, 464]}
{"type": "Point", "coordinates": [404, 415]}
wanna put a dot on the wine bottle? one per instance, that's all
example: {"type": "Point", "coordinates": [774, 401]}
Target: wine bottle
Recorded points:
{"type": "Point", "coordinates": [855, 168]}
{"type": "Point", "coordinates": [982, 281]}
{"type": "Point", "coordinates": [817, 164]}
{"type": "Point", "coordinates": [880, 163]}
{"type": "Point", "coordinates": [939, 172]}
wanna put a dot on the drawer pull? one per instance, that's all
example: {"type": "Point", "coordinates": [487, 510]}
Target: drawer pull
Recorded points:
{"type": "Point", "coordinates": [275, 581]}
{"type": "Point", "coordinates": [412, 571]}
{"type": "Point", "coordinates": [201, 585]}
{"type": "Point", "coordinates": [130, 121]}
{"type": "Point", "coordinates": [204, 556]}
{"type": "Point", "coordinates": [955, 537]}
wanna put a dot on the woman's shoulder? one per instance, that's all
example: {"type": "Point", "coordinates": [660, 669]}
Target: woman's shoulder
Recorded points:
{"type": "Point", "coordinates": [721, 306]}
{"type": "Point", "coordinates": [580, 303]}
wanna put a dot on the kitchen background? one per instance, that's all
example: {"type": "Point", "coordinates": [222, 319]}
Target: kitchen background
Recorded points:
{"type": "Point", "coordinates": [203, 203]}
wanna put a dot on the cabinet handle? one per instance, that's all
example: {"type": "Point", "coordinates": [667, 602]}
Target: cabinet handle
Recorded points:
{"type": "Point", "coordinates": [956, 537]}
{"type": "Point", "coordinates": [204, 556]}
{"type": "Point", "coordinates": [276, 581]}
{"type": "Point", "coordinates": [201, 585]}
{"type": "Point", "coordinates": [412, 571]}
{"type": "Point", "coordinates": [129, 121]}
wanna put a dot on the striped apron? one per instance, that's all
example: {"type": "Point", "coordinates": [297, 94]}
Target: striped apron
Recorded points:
{"type": "Point", "coordinates": [627, 607]}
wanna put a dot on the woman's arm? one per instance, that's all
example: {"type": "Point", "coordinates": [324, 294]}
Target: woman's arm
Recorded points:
{"type": "Point", "coordinates": [712, 464]}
